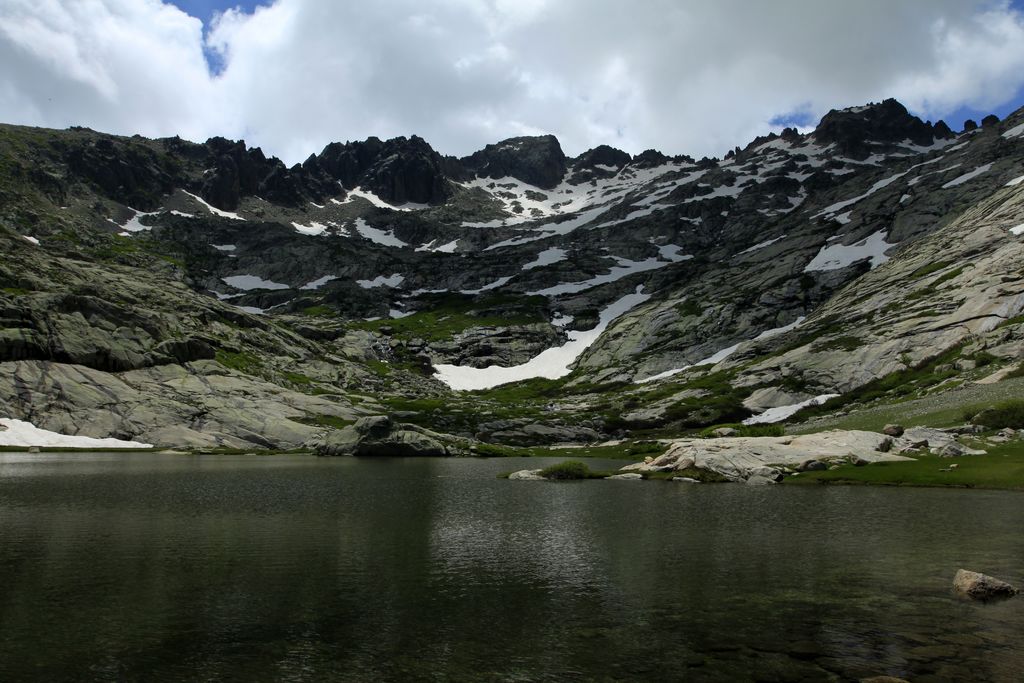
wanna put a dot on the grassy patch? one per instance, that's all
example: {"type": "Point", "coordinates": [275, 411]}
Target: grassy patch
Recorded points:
{"type": "Point", "coordinates": [240, 361]}
{"type": "Point", "coordinates": [1001, 468]}
{"type": "Point", "coordinates": [319, 311]}
{"type": "Point", "coordinates": [1006, 414]}
{"type": "Point", "coordinates": [324, 421]}
{"type": "Point", "coordinates": [929, 269]}
{"type": "Point", "coordinates": [570, 469]}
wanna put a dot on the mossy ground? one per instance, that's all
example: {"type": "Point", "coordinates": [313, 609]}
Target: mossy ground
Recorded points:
{"type": "Point", "coordinates": [1001, 468]}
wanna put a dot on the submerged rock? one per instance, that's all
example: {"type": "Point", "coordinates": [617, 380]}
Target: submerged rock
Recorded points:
{"type": "Point", "coordinates": [981, 586]}
{"type": "Point", "coordinates": [527, 475]}
{"type": "Point", "coordinates": [378, 435]}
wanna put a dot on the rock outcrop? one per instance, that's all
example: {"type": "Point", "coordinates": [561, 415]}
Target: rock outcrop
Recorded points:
{"type": "Point", "coordinates": [379, 435]}
{"type": "Point", "coordinates": [981, 586]}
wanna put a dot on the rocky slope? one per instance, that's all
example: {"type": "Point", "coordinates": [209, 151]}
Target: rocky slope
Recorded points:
{"type": "Point", "coordinates": [203, 294]}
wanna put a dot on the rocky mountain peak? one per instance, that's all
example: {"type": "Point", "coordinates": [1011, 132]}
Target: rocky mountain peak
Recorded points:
{"type": "Point", "coordinates": [854, 129]}
{"type": "Point", "coordinates": [398, 170]}
{"type": "Point", "coordinates": [537, 160]}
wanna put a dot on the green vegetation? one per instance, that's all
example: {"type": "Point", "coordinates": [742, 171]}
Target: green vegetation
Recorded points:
{"type": "Point", "coordinates": [1001, 468]}
{"type": "Point", "coordinates": [319, 311]}
{"type": "Point", "coordinates": [1006, 414]}
{"type": "Point", "coordinates": [324, 421]}
{"type": "Point", "coordinates": [297, 378]}
{"type": "Point", "coordinates": [929, 269]}
{"type": "Point", "coordinates": [446, 316]}
{"type": "Point", "coordinates": [240, 361]}
{"type": "Point", "coordinates": [895, 385]}
{"type": "Point", "coordinates": [844, 343]}
{"type": "Point", "coordinates": [569, 469]}
{"type": "Point", "coordinates": [689, 307]}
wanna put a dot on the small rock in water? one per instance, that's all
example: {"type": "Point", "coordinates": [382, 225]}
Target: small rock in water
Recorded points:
{"type": "Point", "coordinates": [981, 586]}
{"type": "Point", "coordinates": [893, 430]}
{"type": "Point", "coordinates": [526, 475]}
{"type": "Point", "coordinates": [686, 480]}
{"type": "Point", "coordinates": [628, 476]}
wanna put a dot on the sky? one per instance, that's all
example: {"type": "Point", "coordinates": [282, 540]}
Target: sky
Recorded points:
{"type": "Point", "coordinates": [683, 76]}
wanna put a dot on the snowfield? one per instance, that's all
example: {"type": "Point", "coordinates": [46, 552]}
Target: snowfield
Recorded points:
{"type": "Point", "coordinates": [551, 364]}
{"type": "Point", "coordinates": [19, 433]}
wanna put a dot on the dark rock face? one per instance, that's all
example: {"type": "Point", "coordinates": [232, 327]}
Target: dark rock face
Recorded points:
{"type": "Point", "coordinates": [603, 155]}
{"type": "Point", "coordinates": [969, 125]}
{"type": "Point", "coordinates": [648, 158]}
{"type": "Point", "coordinates": [400, 170]}
{"type": "Point", "coordinates": [854, 130]}
{"type": "Point", "coordinates": [125, 172]}
{"type": "Point", "coordinates": [990, 120]}
{"type": "Point", "coordinates": [535, 160]}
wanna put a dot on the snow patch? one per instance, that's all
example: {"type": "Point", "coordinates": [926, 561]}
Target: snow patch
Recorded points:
{"type": "Point", "coordinates": [223, 247]}
{"type": "Point", "coordinates": [29, 238]}
{"type": "Point", "coordinates": [762, 245]}
{"type": "Point", "coordinates": [25, 434]}
{"type": "Point", "coordinates": [624, 268]}
{"type": "Point", "coordinates": [1019, 230]}
{"type": "Point", "coordinates": [1015, 181]}
{"type": "Point", "coordinates": [313, 229]}
{"type": "Point", "coordinates": [1016, 131]}
{"type": "Point", "coordinates": [213, 209]}
{"type": "Point", "coordinates": [378, 202]}
{"type": "Point", "coordinates": [500, 282]}
{"type": "Point", "coordinates": [381, 237]}
{"type": "Point", "coordinates": [782, 412]}
{"type": "Point", "coordinates": [380, 281]}
{"type": "Point", "coordinates": [967, 176]}
{"type": "Point", "coordinates": [836, 256]}
{"type": "Point", "coordinates": [546, 258]}
{"type": "Point", "coordinates": [552, 363]}
{"type": "Point", "coordinates": [250, 282]}
{"type": "Point", "coordinates": [319, 282]}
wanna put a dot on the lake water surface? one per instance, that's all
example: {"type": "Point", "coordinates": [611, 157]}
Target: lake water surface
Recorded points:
{"type": "Point", "coordinates": [162, 567]}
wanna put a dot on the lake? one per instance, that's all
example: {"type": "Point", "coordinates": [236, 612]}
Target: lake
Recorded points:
{"type": "Point", "coordinates": [167, 567]}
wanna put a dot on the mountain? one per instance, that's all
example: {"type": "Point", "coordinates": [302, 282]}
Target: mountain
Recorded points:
{"type": "Point", "coordinates": [206, 295]}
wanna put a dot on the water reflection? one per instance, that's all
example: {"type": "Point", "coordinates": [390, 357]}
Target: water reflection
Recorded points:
{"type": "Point", "coordinates": [170, 568]}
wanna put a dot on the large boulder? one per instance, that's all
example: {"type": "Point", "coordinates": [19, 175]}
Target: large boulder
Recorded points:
{"type": "Point", "coordinates": [379, 435]}
{"type": "Point", "coordinates": [981, 586]}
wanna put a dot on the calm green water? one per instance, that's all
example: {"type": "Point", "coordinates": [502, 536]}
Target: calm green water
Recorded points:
{"type": "Point", "coordinates": [147, 567]}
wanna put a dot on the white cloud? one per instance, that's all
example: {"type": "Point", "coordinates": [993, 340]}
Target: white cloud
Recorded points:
{"type": "Point", "coordinates": [693, 78]}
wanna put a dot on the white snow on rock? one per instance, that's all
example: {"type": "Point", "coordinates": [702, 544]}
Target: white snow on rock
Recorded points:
{"type": "Point", "coordinates": [670, 253]}
{"type": "Point", "coordinates": [175, 212]}
{"type": "Point", "coordinates": [397, 313]}
{"type": "Point", "coordinates": [1014, 132]}
{"type": "Point", "coordinates": [213, 209]}
{"type": "Point", "coordinates": [782, 412]}
{"type": "Point", "coordinates": [381, 281]}
{"type": "Point", "coordinates": [719, 356]}
{"type": "Point", "coordinates": [448, 248]}
{"type": "Point", "coordinates": [223, 247]}
{"type": "Point", "coordinates": [836, 256]}
{"type": "Point", "coordinates": [1019, 230]}
{"type": "Point", "coordinates": [29, 238]}
{"type": "Point", "coordinates": [624, 268]}
{"type": "Point", "coordinates": [500, 282]}
{"type": "Point", "coordinates": [386, 239]}
{"type": "Point", "coordinates": [319, 282]}
{"type": "Point", "coordinates": [1015, 181]}
{"type": "Point", "coordinates": [134, 225]}
{"type": "Point", "coordinates": [378, 202]}
{"type": "Point", "coordinates": [546, 258]}
{"type": "Point", "coordinates": [768, 334]}
{"type": "Point", "coordinates": [25, 434]}
{"type": "Point", "coordinates": [762, 245]}
{"type": "Point", "coordinates": [552, 363]}
{"type": "Point", "coordinates": [967, 176]}
{"type": "Point", "coordinates": [313, 229]}
{"type": "Point", "coordinates": [250, 309]}
{"type": "Point", "coordinates": [249, 282]}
